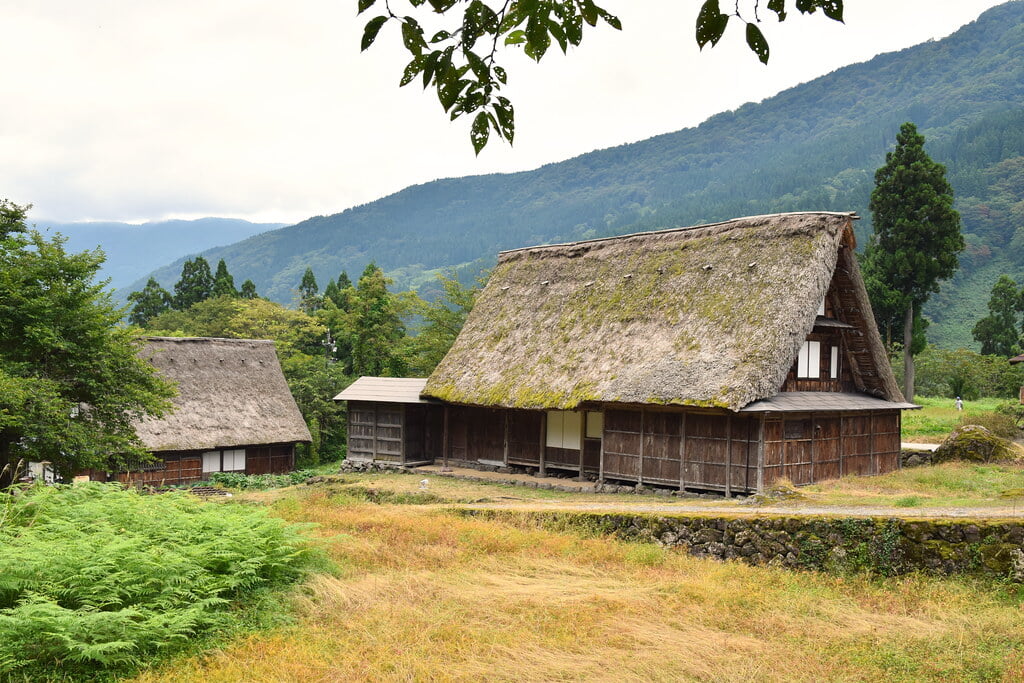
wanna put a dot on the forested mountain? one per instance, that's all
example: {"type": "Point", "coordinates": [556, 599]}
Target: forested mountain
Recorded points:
{"type": "Point", "coordinates": [135, 250]}
{"type": "Point", "coordinates": [813, 147]}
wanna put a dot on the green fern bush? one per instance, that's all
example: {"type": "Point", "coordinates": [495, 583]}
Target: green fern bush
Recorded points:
{"type": "Point", "coordinates": [259, 482]}
{"type": "Point", "coordinates": [95, 579]}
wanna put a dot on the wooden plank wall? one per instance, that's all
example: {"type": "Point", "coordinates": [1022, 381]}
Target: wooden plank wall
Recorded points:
{"type": "Point", "coordinates": [813, 447]}
{"type": "Point", "coordinates": [524, 442]}
{"type": "Point", "coordinates": [476, 434]}
{"type": "Point", "coordinates": [178, 468]}
{"type": "Point", "coordinates": [375, 431]}
{"type": "Point", "coordinates": [276, 459]}
{"type": "Point", "coordinates": [683, 449]}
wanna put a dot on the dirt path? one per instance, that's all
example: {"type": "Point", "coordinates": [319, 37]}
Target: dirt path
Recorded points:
{"type": "Point", "coordinates": [684, 507]}
{"type": "Point", "coordinates": [665, 505]}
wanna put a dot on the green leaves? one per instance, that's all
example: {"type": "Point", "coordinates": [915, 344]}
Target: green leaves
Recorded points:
{"type": "Point", "coordinates": [757, 43]}
{"type": "Point", "coordinates": [466, 78]}
{"type": "Point", "coordinates": [711, 24]}
{"type": "Point", "coordinates": [460, 59]}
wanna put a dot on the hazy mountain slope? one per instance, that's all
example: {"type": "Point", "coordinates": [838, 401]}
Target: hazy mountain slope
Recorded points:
{"type": "Point", "coordinates": [134, 250]}
{"type": "Point", "coordinates": [815, 146]}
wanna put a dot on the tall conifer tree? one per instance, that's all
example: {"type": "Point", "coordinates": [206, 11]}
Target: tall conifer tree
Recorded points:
{"type": "Point", "coordinates": [195, 285]}
{"type": "Point", "coordinates": [223, 282]}
{"type": "Point", "coordinates": [149, 303]}
{"type": "Point", "coordinates": [917, 238]}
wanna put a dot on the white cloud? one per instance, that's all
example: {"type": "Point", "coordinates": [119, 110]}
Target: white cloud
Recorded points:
{"type": "Point", "coordinates": [137, 109]}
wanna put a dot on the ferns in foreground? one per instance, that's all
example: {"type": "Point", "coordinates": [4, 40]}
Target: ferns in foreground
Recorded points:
{"type": "Point", "coordinates": [94, 578]}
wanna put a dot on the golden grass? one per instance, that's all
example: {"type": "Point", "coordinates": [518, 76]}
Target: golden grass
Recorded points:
{"type": "Point", "coordinates": [420, 594]}
{"type": "Point", "coordinates": [952, 484]}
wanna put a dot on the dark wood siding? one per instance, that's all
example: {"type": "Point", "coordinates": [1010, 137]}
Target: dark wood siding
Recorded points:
{"type": "Point", "coordinates": [680, 448]}
{"type": "Point", "coordinates": [394, 432]}
{"type": "Point", "coordinates": [524, 437]}
{"type": "Point", "coordinates": [186, 467]}
{"type": "Point", "coordinates": [807, 448]}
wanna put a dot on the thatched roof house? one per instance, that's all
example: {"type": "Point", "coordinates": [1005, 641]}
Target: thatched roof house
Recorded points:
{"type": "Point", "coordinates": [706, 316]}
{"type": "Point", "coordinates": [710, 357]}
{"type": "Point", "coordinates": [233, 411]}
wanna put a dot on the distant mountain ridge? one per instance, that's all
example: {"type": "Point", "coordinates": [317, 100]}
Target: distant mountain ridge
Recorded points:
{"type": "Point", "coordinates": [812, 147]}
{"type": "Point", "coordinates": [133, 251]}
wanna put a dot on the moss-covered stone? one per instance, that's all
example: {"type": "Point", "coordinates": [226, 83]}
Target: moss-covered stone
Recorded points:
{"type": "Point", "coordinates": [974, 443]}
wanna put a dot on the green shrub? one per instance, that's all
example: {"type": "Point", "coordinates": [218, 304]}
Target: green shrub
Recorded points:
{"type": "Point", "coordinates": [999, 423]}
{"type": "Point", "coordinates": [94, 578]}
{"type": "Point", "coordinates": [259, 482]}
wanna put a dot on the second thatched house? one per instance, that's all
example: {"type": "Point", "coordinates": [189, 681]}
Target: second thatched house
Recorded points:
{"type": "Point", "coordinates": [718, 357]}
{"type": "Point", "coordinates": [233, 412]}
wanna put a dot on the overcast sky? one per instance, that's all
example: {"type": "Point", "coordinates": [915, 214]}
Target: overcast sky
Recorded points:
{"type": "Point", "coordinates": [265, 109]}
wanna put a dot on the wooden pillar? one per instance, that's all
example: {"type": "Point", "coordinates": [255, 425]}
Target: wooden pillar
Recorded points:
{"type": "Point", "coordinates": [583, 435]}
{"type": "Point", "coordinates": [760, 454]}
{"type": "Point", "coordinates": [728, 457]}
{"type": "Point", "coordinates": [682, 453]}
{"type": "Point", "coordinates": [542, 471]}
{"type": "Point", "coordinates": [376, 423]}
{"type": "Point", "coordinates": [814, 435]}
{"type": "Point", "coordinates": [899, 434]}
{"type": "Point", "coordinates": [600, 461]}
{"type": "Point", "coordinates": [842, 451]}
{"type": "Point", "coordinates": [444, 442]}
{"type": "Point", "coordinates": [504, 455]}
{"type": "Point", "coordinates": [402, 422]}
{"type": "Point", "coordinates": [871, 441]}
{"type": "Point", "coordinates": [640, 473]}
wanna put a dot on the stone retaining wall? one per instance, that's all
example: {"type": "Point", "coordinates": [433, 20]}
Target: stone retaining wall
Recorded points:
{"type": "Point", "coordinates": [886, 546]}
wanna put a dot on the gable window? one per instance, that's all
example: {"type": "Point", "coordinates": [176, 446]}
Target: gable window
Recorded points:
{"type": "Point", "coordinates": [808, 364]}
{"type": "Point", "coordinates": [564, 429]}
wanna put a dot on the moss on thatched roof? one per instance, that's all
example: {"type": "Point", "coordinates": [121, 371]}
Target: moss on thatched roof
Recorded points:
{"type": "Point", "coordinates": [705, 316]}
{"type": "Point", "coordinates": [231, 392]}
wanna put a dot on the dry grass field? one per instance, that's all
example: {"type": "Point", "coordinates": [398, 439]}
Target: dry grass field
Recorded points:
{"type": "Point", "coordinates": [422, 595]}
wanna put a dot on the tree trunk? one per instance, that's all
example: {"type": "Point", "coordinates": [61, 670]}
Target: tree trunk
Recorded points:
{"type": "Point", "coordinates": [908, 357]}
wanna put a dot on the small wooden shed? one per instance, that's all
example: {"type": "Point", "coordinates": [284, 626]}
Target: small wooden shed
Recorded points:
{"type": "Point", "coordinates": [389, 422]}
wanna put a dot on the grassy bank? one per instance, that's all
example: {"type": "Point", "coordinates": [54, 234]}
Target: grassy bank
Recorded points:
{"type": "Point", "coordinates": [423, 595]}
{"type": "Point", "coordinates": [939, 416]}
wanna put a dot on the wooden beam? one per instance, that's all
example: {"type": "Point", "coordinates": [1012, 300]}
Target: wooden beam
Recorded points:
{"type": "Point", "coordinates": [376, 423]}
{"type": "Point", "coordinates": [640, 473]}
{"type": "Point", "coordinates": [504, 450]}
{"type": "Point", "coordinates": [401, 435]}
{"type": "Point", "coordinates": [542, 471]}
{"type": "Point", "coordinates": [728, 457]}
{"type": "Point", "coordinates": [842, 453]}
{"type": "Point", "coordinates": [600, 462]}
{"type": "Point", "coordinates": [583, 435]}
{"type": "Point", "coordinates": [871, 441]}
{"type": "Point", "coordinates": [444, 442]}
{"type": "Point", "coordinates": [813, 439]}
{"type": "Point", "coordinates": [760, 454]}
{"type": "Point", "coordinates": [682, 453]}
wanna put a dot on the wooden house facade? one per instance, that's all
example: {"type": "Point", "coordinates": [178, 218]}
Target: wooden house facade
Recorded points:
{"type": "Point", "coordinates": [233, 413]}
{"type": "Point", "coordinates": [718, 357]}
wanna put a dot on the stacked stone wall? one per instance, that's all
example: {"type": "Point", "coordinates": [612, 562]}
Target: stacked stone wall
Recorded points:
{"type": "Point", "coordinates": [887, 546]}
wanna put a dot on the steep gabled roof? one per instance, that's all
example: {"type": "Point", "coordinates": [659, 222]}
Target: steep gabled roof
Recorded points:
{"type": "Point", "coordinates": [708, 316]}
{"type": "Point", "coordinates": [231, 392]}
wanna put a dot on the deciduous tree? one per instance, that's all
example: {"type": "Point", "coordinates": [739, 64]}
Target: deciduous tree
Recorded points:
{"type": "Point", "coordinates": [71, 382]}
{"type": "Point", "coordinates": [917, 237]}
{"type": "Point", "coordinates": [377, 326]}
{"type": "Point", "coordinates": [249, 290]}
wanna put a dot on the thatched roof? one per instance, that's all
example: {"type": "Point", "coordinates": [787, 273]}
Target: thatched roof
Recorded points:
{"type": "Point", "coordinates": [708, 316]}
{"type": "Point", "coordinates": [231, 392]}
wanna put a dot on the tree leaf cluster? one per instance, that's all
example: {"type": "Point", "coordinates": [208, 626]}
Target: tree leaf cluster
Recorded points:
{"type": "Point", "coordinates": [71, 383]}
{"type": "Point", "coordinates": [458, 55]}
{"type": "Point", "coordinates": [95, 579]}
{"type": "Point", "coordinates": [1001, 332]}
